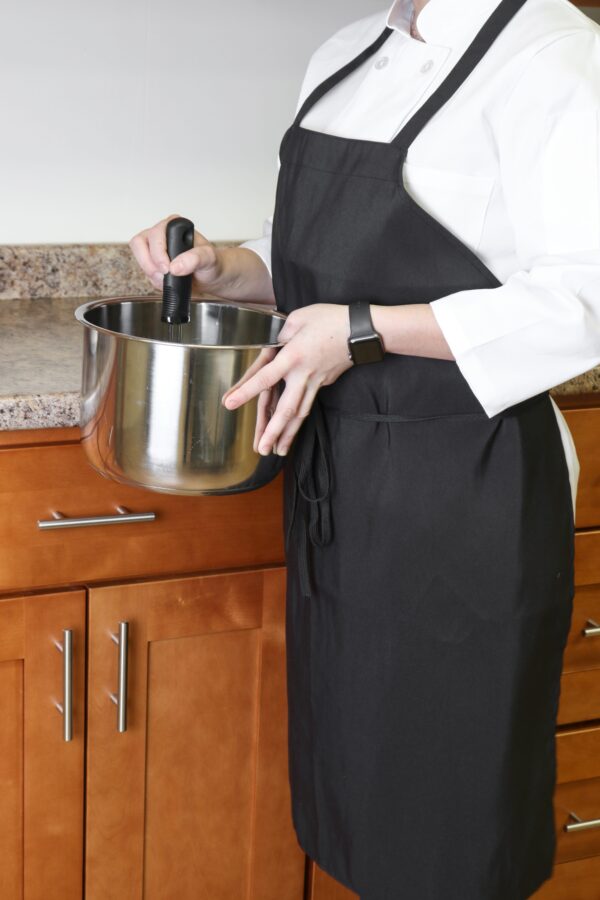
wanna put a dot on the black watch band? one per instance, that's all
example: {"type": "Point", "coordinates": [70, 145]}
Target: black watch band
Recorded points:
{"type": "Point", "coordinates": [364, 344]}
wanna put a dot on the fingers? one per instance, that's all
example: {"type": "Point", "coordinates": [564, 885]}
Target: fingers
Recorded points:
{"type": "Point", "coordinates": [265, 378]}
{"type": "Point", "coordinates": [293, 407]}
{"type": "Point", "coordinates": [157, 246]}
{"type": "Point", "coordinates": [149, 248]}
{"type": "Point", "coordinates": [284, 440]}
{"type": "Point", "coordinates": [141, 252]}
{"type": "Point", "coordinates": [267, 402]}
{"type": "Point", "coordinates": [265, 356]}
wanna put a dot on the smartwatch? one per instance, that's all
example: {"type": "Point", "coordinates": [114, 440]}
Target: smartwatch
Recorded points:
{"type": "Point", "coordinates": [364, 344]}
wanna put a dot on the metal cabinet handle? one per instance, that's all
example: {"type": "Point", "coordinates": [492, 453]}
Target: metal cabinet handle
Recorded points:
{"type": "Point", "coordinates": [123, 515]}
{"type": "Point", "coordinates": [593, 629]}
{"type": "Point", "coordinates": [66, 707]}
{"type": "Point", "coordinates": [120, 698]}
{"type": "Point", "coordinates": [581, 824]}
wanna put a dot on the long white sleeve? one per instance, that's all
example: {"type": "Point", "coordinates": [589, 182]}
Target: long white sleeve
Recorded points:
{"type": "Point", "coordinates": [542, 326]}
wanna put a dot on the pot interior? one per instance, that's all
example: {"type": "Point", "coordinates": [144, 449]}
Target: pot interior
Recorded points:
{"type": "Point", "coordinates": [212, 323]}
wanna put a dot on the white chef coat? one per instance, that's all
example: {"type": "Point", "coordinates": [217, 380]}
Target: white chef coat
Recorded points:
{"type": "Point", "coordinates": [510, 165]}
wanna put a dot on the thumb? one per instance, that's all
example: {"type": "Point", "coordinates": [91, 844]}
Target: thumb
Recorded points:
{"type": "Point", "coordinates": [202, 257]}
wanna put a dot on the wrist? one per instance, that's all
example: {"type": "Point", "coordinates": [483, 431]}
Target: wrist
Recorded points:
{"type": "Point", "coordinates": [394, 325]}
{"type": "Point", "coordinates": [242, 275]}
{"type": "Point", "coordinates": [227, 273]}
{"type": "Point", "coordinates": [379, 319]}
{"type": "Point", "coordinates": [410, 328]}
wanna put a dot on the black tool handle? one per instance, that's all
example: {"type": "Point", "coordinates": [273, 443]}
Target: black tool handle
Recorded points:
{"type": "Point", "coordinates": [177, 289]}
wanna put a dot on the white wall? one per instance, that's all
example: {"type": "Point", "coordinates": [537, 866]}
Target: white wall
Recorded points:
{"type": "Point", "coordinates": [116, 113]}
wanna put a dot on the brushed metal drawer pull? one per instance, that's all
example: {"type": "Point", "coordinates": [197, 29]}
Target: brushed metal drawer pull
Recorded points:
{"type": "Point", "coordinates": [123, 515]}
{"type": "Point", "coordinates": [66, 707]}
{"type": "Point", "coordinates": [592, 631]}
{"type": "Point", "coordinates": [581, 824]}
{"type": "Point", "coordinates": [120, 698]}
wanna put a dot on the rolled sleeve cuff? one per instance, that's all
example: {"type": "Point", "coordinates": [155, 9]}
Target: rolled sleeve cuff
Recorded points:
{"type": "Point", "coordinates": [505, 366]}
{"type": "Point", "coordinates": [468, 363]}
{"type": "Point", "coordinates": [498, 370]}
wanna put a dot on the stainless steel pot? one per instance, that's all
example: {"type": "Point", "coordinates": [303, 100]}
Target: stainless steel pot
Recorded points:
{"type": "Point", "coordinates": [151, 411]}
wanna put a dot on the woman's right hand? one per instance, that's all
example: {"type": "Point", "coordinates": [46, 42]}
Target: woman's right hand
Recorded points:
{"type": "Point", "coordinates": [232, 273]}
{"type": "Point", "coordinates": [150, 250]}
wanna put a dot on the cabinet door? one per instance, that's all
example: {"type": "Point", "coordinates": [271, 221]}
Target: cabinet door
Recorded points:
{"type": "Point", "coordinates": [41, 773]}
{"type": "Point", "coordinates": [192, 799]}
{"type": "Point", "coordinates": [323, 887]}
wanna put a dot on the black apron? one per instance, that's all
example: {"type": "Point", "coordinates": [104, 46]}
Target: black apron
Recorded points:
{"type": "Point", "coordinates": [429, 554]}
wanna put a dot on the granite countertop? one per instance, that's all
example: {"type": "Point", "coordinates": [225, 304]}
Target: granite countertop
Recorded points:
{"type": "Point", "coordinates": [40, 364]}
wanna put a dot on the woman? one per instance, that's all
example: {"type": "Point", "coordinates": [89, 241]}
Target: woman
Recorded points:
{"type": "Point", "coordinates": [430, 479]}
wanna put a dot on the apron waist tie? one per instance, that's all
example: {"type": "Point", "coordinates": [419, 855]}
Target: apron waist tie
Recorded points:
{"type": "Point", "coordinates": [311, 476]}
{"type": "Point", "coordinates": [312, 483]}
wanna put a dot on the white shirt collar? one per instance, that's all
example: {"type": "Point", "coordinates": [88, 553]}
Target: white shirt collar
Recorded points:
{"type": "Point", "coordinates": [448, 23]}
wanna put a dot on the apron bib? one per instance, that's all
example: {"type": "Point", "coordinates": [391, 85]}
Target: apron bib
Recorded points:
{"type": "Point", "coordinates": [429, 555]}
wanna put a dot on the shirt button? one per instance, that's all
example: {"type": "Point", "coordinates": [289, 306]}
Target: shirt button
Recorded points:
{"type": "Point", "coordinates": [427, 66]}
{"type": "Point", "coordinates": [382, 63]}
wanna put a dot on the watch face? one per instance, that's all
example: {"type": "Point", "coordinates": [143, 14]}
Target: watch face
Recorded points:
{"type": "Point", "coordinates": [366, 349]}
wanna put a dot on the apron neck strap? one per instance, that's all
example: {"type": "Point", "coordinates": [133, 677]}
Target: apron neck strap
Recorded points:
{"type": "Point", "coordinates": [338, 76]}
{"type": "Point", "coordinates": [472, 56]}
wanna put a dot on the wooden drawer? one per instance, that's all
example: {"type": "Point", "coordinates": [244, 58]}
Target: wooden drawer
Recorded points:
{"type": "Point", "coordinates": [583, 799]}
{"type": "Point", "coordinates": [579, 697]}
{"type": "Point", "coordinates": [190, 534]}
{"type": "Point", "coordinates": [584, 425]}
{"type": "Point", "coordinates": [577, 754]}
{"type": "Point", "coordinates": [587, 557]}
{"type": "Point", "coordinates": [577, 791]}
{"type": "Point", "coordinates": [580, 684]}
{"type": "Point", "coordinates": [579, 880]}
{"type": "Point", "coordinates": [583, 650]}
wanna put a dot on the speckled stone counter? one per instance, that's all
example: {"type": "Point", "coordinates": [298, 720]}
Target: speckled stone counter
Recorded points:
{"type": "Point", "coordinates": [40, 364]}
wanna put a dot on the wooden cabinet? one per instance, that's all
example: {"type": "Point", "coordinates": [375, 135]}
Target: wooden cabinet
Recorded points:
{"type": "Point", "coordinates": [41, 773]}
{"type": "Point", "coordinates": [191, 798]}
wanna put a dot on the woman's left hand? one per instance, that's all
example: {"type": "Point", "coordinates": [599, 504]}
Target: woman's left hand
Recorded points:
{"type": "Point", "coordinates": [315, 353]}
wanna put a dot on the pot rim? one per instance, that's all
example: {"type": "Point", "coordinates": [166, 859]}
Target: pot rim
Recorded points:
{"type": "Point", "coordinates": [110, 301]}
